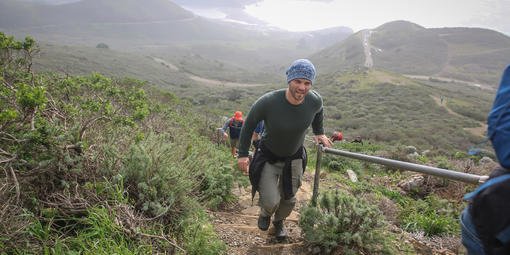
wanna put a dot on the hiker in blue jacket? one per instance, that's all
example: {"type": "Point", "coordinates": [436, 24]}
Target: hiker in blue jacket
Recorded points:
{"type": "Point", "coordinates": [257, 134]}
{"type": "Point", "coordinates": [358, 140]}
{"type": "Point", "coordinates": [485, 223]}
{"type": "Point", "coordinates": [234, 125]}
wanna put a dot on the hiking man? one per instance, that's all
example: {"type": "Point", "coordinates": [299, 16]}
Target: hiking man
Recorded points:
{"type": "Point", "coordinates": [280, 158]}
{"type": "Point", "coordinates": [485, 223]}
{"type": "Point", "coordinates": [337, 136]}
{"type": "Point", "coordinates": [234, 125]}
{"type": "Point", "coordinates": [358, 140]}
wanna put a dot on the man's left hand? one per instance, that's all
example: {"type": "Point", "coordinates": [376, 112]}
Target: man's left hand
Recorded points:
{"type": "Point", "coordinates": [324, 140]}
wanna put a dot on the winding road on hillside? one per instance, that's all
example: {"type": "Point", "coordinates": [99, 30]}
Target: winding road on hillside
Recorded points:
{"type": "Point", "coordinates": [478, 131]}
{"type": "Point", "coordinates": [444, 79]}
{"type": "Point", "coordinates": [205, 81]}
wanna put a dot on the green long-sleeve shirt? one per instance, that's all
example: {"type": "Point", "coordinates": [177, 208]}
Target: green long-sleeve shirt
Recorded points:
{"type": "Point", "coordinates": [285, 123]}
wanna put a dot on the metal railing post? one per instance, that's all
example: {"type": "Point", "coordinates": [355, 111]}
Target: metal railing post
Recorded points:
{"type": "Point", "coordinates": [218, 136]}
{"type": "Point", "coordinates": [317, 174]}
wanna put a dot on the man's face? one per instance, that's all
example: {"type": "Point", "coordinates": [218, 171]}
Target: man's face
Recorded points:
{"type": "Point", "coordinates": [298, 88]}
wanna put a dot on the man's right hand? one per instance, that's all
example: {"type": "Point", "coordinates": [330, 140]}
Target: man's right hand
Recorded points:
{"type": "Point", "coordinates": [243, 164]}
{"type": "Point", "coordinates": [225, 135]}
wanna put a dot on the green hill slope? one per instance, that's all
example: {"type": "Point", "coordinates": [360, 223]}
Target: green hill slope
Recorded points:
{"type": "Point", "coordinates": [76, 60]}
{"type": "Point", "coordinates": [385, 109]}
{"type": "Point", "coordinates": [13, 14]}
{"type": "Point", "coordinates": [103, 166]}
{"type": "Point", "coordinates": [391, 109]}
{"type": "Point", "coordinates": [162, 27]}
{"type": "Point", "coordinates": [115, 166]}
{"type": "Point", "coordinates": [470, 54]}
{"type": "Point", "coordinates": [343, 56]}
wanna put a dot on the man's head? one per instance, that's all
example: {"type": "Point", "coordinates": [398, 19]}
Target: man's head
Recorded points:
{"type": "Point", "coordinates": [300, 77]}
{"type": "Point", "coordinates": [301, 69]}
{"type": "Point", "coordinates": [238, 115]}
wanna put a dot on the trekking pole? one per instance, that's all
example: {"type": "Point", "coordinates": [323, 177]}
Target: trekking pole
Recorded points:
{"type": "Point", "coordinates": [317, 174]}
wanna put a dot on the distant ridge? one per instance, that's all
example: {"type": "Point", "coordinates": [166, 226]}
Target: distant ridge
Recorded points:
{"type": "Point", "coordinates": [165, 29]}
{"type": "Point", "coordinates": [16, 14]}
{"type": "Point", "coordinates": [470, 54]}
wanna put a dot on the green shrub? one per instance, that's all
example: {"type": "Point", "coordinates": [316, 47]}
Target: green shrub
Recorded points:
{"type": "Point", "coordinates": [335, 165]}
{"type": "Point", "coordinates": [101, 234]}
{"type": "Point", "coordinates": [341, 164]}
{"type": "Point", "coordinates": [433, 216]}
{"type": "Point", "coordinates": [461, 155]}
{"type": "Point", "coordinates": [443, 162]}
{"type": "Point", "coordinates": [102, 46]}
{"type": "Point", "coordinates": [199, 237]}
{"type": "Point", "coordinates": [422, 159]}
{"type": "Point", "coordinates": [217, 186]}
{"type": "Point", "coordinates": [343, 221]}
{"type": "Point", "coordinates": [75, 142]}
{"type": "Point", "coordinates": [431, 223]}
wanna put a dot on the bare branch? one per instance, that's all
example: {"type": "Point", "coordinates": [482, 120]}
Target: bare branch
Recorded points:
{"type": "Point", "coordinates": [32, 119]}
{"type": "Point", "coordinates": [7, 160]}
{"type": "Point", "coordinates": [16, 183]}
{"type": "Point", "coordinates": [89, 122]}
{"type": "Point", "coordinates": [162, 237]}
{"type": "Point", "coordinates": [6, 153]}
{"type": "Point", "coordinates": [5, 172]}
{"type": "Point", "coordinates": [12, 138]}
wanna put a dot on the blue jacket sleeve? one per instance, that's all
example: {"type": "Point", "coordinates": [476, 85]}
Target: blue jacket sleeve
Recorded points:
{"type": "Point", "coordinates": [224, 129]}
{"type": "Point", "coordinates": [255, 115]}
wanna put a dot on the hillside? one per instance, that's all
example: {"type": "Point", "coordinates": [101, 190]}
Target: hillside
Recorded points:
{"type": "Point", "coordinates": [162, 28]}
{"type": "Point", "coordinates": [75, 60]}
{"type": "Point", "coordinates": [391, 109]}
{"type": "Point", "coordinates": [469, 54]}
{"type": "Point", "coordinates": [385, 107]}
{"type": "Point", "coordinates": [100, 165]}
{"type": "Point", "coordinates": [346, 55]}
{"type": "Point", "coordinates": [103, 166]}
{"type": "Point", "coordinates": [382, 106]}
{"type": "Point", "coordinates": [13, 14]}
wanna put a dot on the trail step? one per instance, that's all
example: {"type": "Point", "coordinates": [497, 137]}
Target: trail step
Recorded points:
{"type": "Point", "coordinates": [294, 217]}
{"type": "Point", "coordinates": [241, 227]}
{"type": "Point", "coordinates": [276, 249]}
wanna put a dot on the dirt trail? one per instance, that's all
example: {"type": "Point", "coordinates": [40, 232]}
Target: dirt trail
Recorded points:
{"type": "Point", "coordinates": [237, 226]}
{"type": "Point", "coordinates": [479, 131]}
{"type": "Point", "coordinates": [204, 81]}
{"type": "Point", "coordinates": [369, 62]}
{"type": "Point", "coordinates": [444, 79]}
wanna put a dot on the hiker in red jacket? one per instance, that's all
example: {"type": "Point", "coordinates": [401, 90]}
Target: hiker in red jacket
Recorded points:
{"type": "Point", "coordinates": [337, 136]}
{"type": "Point", "coordinates": [234, 125]}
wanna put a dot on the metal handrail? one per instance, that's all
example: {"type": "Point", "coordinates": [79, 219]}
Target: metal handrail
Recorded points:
{"type": "Point", "coordinates": [444, 173]}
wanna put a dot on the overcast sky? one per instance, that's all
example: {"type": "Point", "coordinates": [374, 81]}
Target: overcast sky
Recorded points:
{"type": "Point", "coordinates": [303, 15]}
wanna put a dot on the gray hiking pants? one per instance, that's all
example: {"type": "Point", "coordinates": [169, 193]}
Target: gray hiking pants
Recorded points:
{"type": "Point", "coordinates": [271, 198]}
